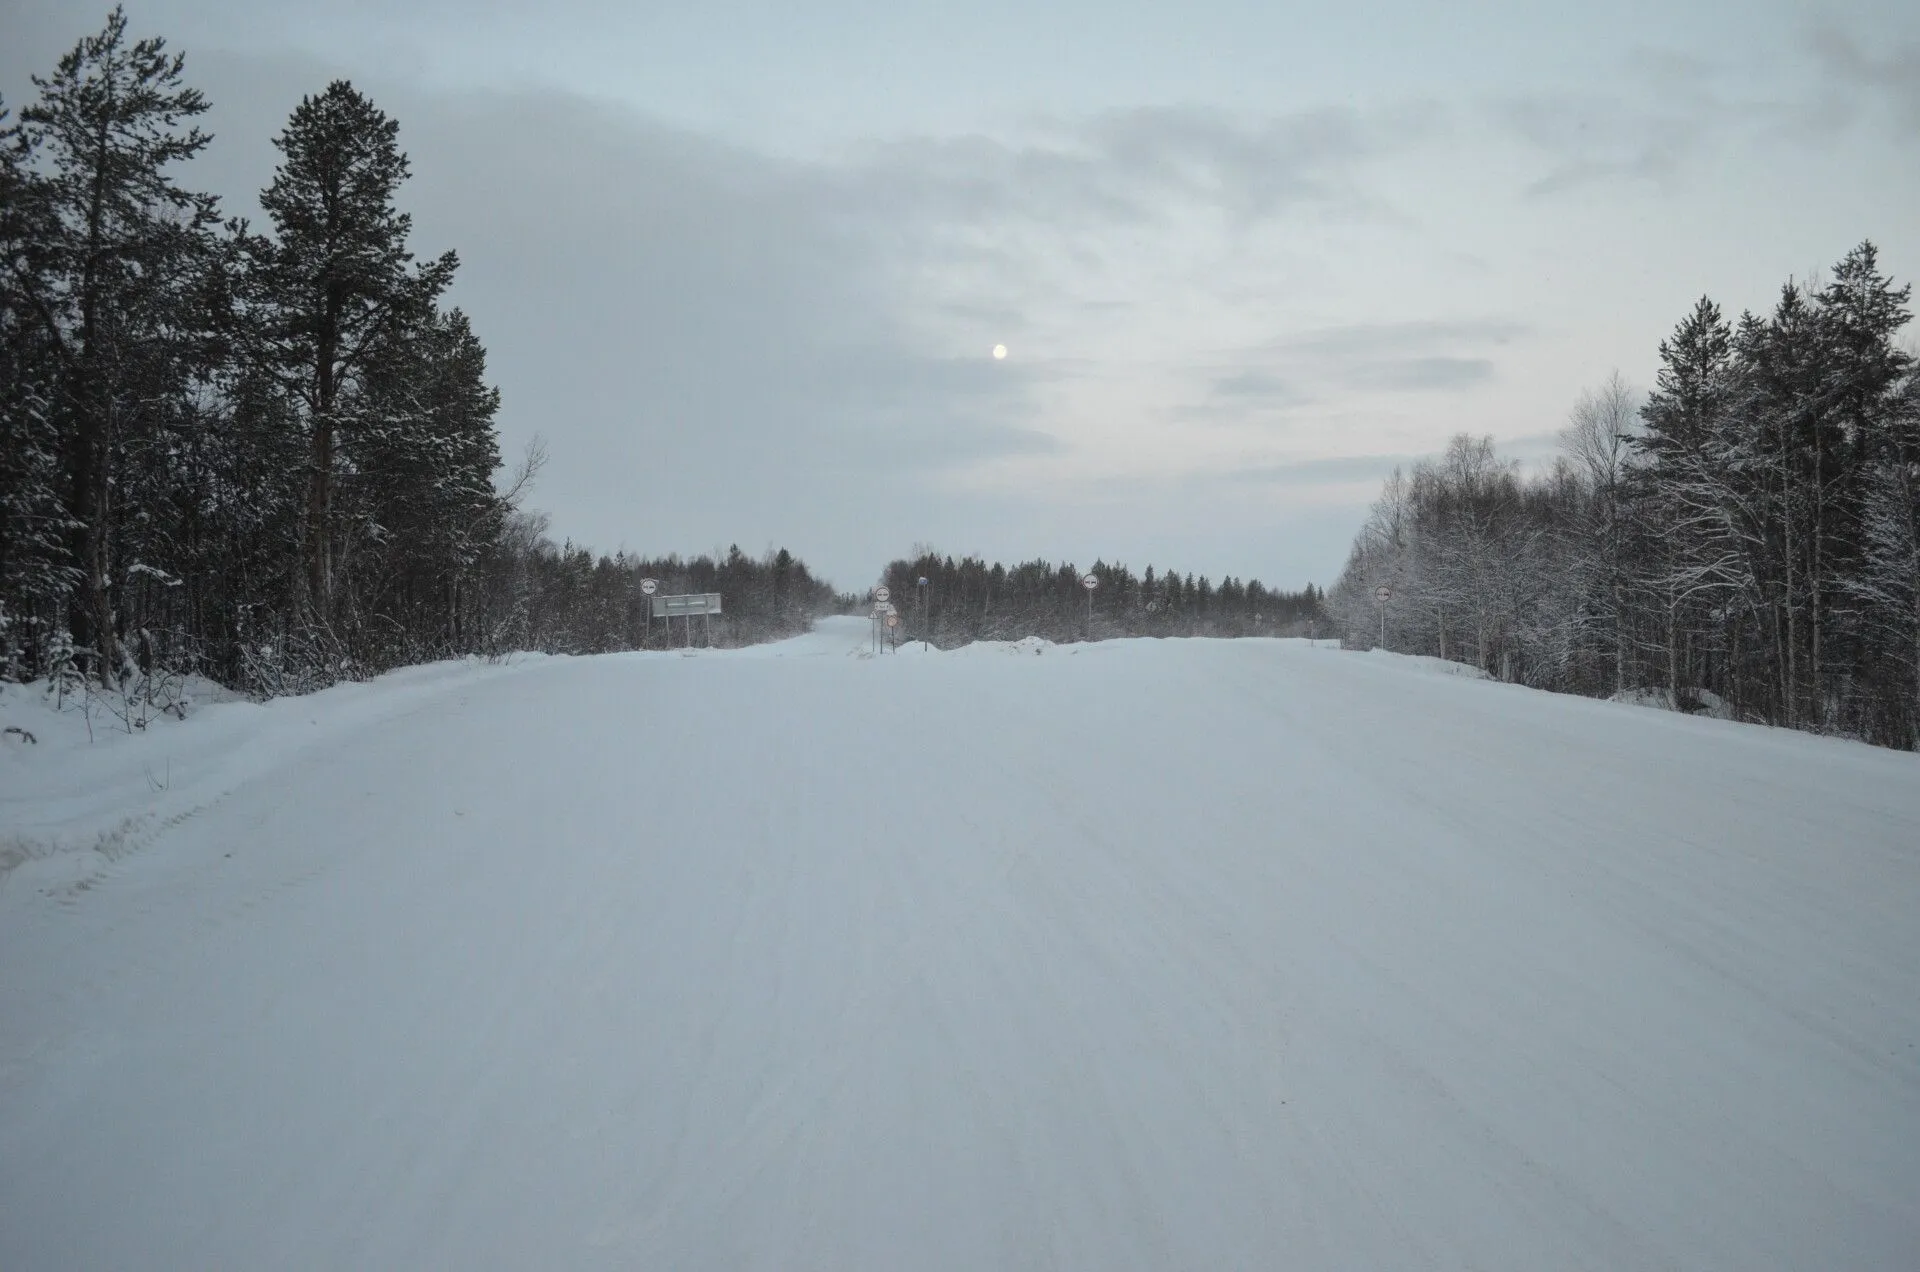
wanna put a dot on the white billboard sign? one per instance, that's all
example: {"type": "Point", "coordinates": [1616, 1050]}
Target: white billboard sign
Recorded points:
{"type": "Point", "coordinates": [688, 606]}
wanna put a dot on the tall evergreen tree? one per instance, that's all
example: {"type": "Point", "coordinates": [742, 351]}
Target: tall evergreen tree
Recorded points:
{"type": "Point", "coordinates": [338, 287]}
{"type": "Point", "coordinates": [422, 460]}
{"type": "Point", "coordinates": [108, 124]}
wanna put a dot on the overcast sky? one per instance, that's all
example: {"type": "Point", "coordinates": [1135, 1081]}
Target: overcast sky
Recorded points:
{"type": "Point", "coordinates": [743, 264]}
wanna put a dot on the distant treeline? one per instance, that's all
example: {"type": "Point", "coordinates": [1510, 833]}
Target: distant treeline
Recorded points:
{"type": "Point", "coordinates": [1747, 538]}
{"type": "Point", "coordinates": [265, 456]}
{"type": "Point", "coordinates": [577, 603]}
{"type": "Point", "coordinates": [969, 600]}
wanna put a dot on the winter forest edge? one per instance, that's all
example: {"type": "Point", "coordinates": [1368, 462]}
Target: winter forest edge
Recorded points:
{"type": "Point", "coordinates": [1746, 540]}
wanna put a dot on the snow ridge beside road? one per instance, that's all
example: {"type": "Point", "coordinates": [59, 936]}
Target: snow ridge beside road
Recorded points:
{"type": "Point", "coordinates": [88, 791]}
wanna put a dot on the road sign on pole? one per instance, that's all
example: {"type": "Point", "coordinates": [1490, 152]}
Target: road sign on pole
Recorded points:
{"type": "Point", "coordinates": [688, 607]}
{"type": "Point", "coordinates": [881, 594]}
{"type": "Point", "coordinates": [1381, 596]}
{"type": "Point", "coordinates": [647, 588]}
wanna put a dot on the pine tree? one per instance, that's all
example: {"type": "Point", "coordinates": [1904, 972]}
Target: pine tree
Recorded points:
{"type": "Point", "coordinates": [337, 289]}
{"type": "Point", "coordinates": [120, 234]}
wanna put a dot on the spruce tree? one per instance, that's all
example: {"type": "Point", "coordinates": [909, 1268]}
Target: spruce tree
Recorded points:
{"type": "Point", "coordinates": [422, 458]}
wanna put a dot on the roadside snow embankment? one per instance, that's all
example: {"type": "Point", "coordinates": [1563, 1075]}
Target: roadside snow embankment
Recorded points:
{"type": "Point", "coordinates": [76, 782]}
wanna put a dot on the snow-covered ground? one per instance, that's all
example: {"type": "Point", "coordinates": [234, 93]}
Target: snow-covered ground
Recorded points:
{"type": "Point", "coordinates": [1182, 954]}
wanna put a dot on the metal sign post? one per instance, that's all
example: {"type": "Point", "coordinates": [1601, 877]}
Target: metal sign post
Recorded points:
{"type": "Point", "coordinates": [706, 604]}
{"type": "Point", "coordinates": [1381, 596]}
{"type": "Point", "coordinates": [921, 587]}
{"type": "Point", "coordinates": [1090, 582]}
{"type": "Point", "coordinates": [647, 588]}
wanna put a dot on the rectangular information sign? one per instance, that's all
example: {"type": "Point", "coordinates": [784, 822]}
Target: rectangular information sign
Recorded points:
{"type": "Point", "coordinates": [686, 606]}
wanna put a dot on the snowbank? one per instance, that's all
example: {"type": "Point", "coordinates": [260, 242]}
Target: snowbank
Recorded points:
{"type": "Point", "coordinates": [1712, 705]}
{"type": "Point", "coordinates": [92, 782]}
{"type": "Point", "coordinates": [1430, 664]}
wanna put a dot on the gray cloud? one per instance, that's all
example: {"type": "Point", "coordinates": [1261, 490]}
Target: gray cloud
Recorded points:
{"type": "Point", "coordinates": [1128, 167]}
{"type": "Point", "coordinates": [1664, 112]}
{"type": "Point", "coordinates": [1851, 73]}
{"type": "Point", "coordinates": [1413, 375]}
{"type": "Point", "coordinates": [1258, 386]}
{"type": "Point", "coordinates": [1596, 138]}
{"type": "Point", "coordinates": [1670, 111]}
{"type": "Point", "coordinates": [1413, 356]}
{"type": "Point", "coordinates": [1374, 339]}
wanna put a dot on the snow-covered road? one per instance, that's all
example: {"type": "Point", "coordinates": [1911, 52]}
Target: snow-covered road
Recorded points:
{"type": "Point", "coordinates": [1179, 955]}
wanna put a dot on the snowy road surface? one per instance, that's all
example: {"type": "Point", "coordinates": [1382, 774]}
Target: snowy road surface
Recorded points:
{"type": "Point", "coordinates": [1175, 955]}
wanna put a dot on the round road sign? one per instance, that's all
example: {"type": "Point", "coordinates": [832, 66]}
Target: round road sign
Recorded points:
{"type": "Point", "coordinates": [1090, 582]}
{"type": "Point", "coordinates": [1383, 593]}
{"type": "Point", "coordinates": [881, 594]}
{"type": "Point", "coordinates": [649, 586]}
{"type": "Point", "coordinates": [893, 620]}
{"type": "Point", "coordinates": [923, 581]}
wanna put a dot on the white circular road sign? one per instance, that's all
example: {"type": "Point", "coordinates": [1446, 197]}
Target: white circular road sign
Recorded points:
{"type": "Point", "coordinates": [1090, 582]}
{"type": "Point", "coordinates": [881, 594]}
{"type": "Point", "coordinates": [649, 586]}
{"type": "Point", "coordinates": [1383, 593]}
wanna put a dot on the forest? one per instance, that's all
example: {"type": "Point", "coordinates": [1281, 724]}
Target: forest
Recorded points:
{"type": "Point", "coordinates": [266, 455]}
{"type": "Point", "coordinates": [969, 600]}
{"type": "Point", "coordinates": [1743, 540]}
